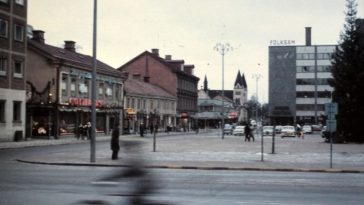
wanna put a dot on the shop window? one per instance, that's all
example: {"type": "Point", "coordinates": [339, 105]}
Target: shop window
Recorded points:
{"type": "Point", "coordinates": [17, 111]}
{"type": "Point", "coordinates": [18, 32]}
{"type": "Point", "coordinates": [3, 28]}
{"type": "Point", "coordinates": [18, 69]}
{"type": "Point", "coordinates": [2, 110]}
{"type": "Point", "coordinates": [3, 66]}
{"type": "Point", "coordinates": [67, 124]}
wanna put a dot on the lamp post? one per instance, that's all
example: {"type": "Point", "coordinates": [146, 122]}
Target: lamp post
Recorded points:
{"type": "Point", "coordinates": [93, 92]}
{"type": "Point", "coordinates": [222, 48]}
{"type": "Point", "coordinates": [257, 77]}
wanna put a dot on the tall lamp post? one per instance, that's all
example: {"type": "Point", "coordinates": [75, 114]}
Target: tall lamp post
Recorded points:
{"type": "Point", "coordinates": [93, 93]}
{"type": "Point", "coordinates": [257, 77]}
{"type": "Point", "coordinates": [222, 48]}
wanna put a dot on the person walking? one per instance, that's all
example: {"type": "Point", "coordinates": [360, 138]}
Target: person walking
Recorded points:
{"type": "Point", "coordinates": [247, 131]}
{"type": "Point", "coordinates": [115, 147]}
{"type": "Point", "coordinates": [141, 128]}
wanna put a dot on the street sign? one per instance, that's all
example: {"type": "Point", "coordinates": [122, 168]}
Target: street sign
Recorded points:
{"type": "Point", "coordinates": [331, 110]}
{"type": "Point", "coordinates": [331, 126]}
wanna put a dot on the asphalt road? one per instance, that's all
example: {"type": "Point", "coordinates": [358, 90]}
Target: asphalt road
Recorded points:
{"type": "Point", "coordinates": [44, 184]}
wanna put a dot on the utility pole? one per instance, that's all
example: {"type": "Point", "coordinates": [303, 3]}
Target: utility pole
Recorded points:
{"type": "Point", "coordinates": [222, 49]}
{"type": "Point", "coordinates": [93, 92]}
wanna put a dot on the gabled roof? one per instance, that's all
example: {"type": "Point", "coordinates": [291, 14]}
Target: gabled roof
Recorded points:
{"type": "Point", "coordinates": [133, 86]}
{"type": "Point", "coordinates": [64, 56]}
{"type": "Point", "coordinates": [171, 64]}
{"type": "Point", "coordinates": [227, 93]}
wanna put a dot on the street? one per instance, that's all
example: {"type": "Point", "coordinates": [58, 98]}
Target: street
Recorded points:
{"type": "Point", "coordinates": [23, 183]}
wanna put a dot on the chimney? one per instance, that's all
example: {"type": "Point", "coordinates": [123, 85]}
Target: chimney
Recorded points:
{"type": "Point", "coordinates": [155, 51]}
{"type": "Point", "coordinates": [38, 35]}
{"type": "Point", "coordinates": [308, 36]}
{"type": "Point", "coordinates": [70, 46]}
{"type": "Point", "coordinates": [168, 57]}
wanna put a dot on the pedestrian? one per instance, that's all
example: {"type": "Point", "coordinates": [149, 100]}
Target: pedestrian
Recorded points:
{"type": "Point", "coordinates": [251, 134]}
{"type": "Point", "coordinates": [247, 131]}
{"type": "Point", "coordinates": [88, 130]}
{"type": "Point", "coordinates": [115, 147]}
{"type": "Point", "coordinates": [298, 130]}
{"type": "Point", "coordinates": [141, 128]}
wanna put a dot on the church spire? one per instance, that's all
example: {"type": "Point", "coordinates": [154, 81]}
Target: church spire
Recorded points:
{"type": "Point", "coordinates": [205, 88]}
{"type": "Point", "coordinates": [238, 79]}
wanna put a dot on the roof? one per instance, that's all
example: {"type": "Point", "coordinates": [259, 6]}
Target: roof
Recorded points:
{"type": "Point", "coordinates": [240, 79]}
{"type": "Point", "coordinates": [72, 58]}
{"type": "Point", "coordinates": [171, 64]}
{"type": "Point", "coordinates": [227, 93]}
{"type": "Point", "coordinates": [133, 86]}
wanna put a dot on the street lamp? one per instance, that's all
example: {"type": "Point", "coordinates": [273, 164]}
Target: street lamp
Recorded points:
{"type": "Point", "coordinates": [222, 48]}
{"type": "Point", "coordinates": [257, 77]}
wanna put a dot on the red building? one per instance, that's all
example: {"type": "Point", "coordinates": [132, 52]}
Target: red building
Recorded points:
{"type": "Point", "coordinates": [174, 76]}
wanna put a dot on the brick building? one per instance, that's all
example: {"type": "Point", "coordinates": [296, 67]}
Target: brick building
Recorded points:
{"type": "Point", "coordinates": [174, 76]}
{"type": "Point", "coordinates": [13, 44]}
{"type": "Point", "coordinates": [59, 90]}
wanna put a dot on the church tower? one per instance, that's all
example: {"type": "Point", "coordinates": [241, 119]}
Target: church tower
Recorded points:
{"type": "Point", "coordinates": [241, 95]}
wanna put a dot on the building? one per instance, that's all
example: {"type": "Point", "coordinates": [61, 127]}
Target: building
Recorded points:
{"type": "Point", "coordinates": [210, 104]}
{"type": "Point", "coordinates": [142, 100]}
{"type": "Point", "coordinates": [298, 82]}
{"type": "Point", "coordinates": [174, 76]}
{"type": "Point", "coordinates": [13, 47]}
{"type": "Point", "coordinates": [59, 90]}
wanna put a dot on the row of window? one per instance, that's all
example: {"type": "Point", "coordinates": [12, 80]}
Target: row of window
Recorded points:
{"type": "Point", "coordinates": [69, 88]}
{"type": "Point", "coordinates": [311, 69]}
{"type": "Point", "coordinates": [18, 2]}
{"type": "Point", "coordinates": [310, 107]}
{"type": "Point", "coordinates": [308, 94]}
{"type": "Point", "coordinates": [187, 104]}
{"type": "Point", "coordinates": [187, 85]}
{"type": "Point", "coordinates": [311, 56]}
{"type": "Point", "coordinates": [149, 104]}
{"type": "Point", "coordinates": [310, 81]}
{"type": "Point", "coordinates": [18, 30]}
{"type": "Point", "coordinates": [16, 111]}
{"type": "Point", "coordinates": [17, 67]}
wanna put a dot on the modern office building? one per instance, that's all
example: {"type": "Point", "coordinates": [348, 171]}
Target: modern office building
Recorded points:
{"type": "Point", "coordinates": [13, 44]}
{"type": "Point", "coordinates": [298, 82]}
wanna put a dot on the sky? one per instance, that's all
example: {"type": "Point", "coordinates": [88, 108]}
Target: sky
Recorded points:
{"type": "Point", "coordinates": [190, 29]}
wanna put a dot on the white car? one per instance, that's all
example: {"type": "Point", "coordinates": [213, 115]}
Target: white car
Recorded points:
{"type": "Point", "coordinates": [267, 130]}
{"type": "Point", "coordinates": [239, 131]}
{"type": "Point", "coordinates": [288, 131]}
{"type": "Point", "coordinates": [307, 129]}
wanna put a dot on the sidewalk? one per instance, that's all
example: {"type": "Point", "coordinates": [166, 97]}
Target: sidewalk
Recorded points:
{"type": "Point", "coordinates": [208, 151]}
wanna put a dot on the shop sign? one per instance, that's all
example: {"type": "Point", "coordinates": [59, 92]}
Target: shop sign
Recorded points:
{"type": "Point", "coordinates": [233, 115]}
{"type": "Point", "coordinates": [130, 111]}
{"type": "Point", "coordinates": [282, 42]}
{"type": "Point", "coordinates": [184, 114]}
{"type": "Point", "coordinates": [83, 102]}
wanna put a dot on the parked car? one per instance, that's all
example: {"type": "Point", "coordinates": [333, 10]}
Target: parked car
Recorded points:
{"type": "Point", "coordinates": [278, 129]}
{"type": "Point", "coordinates": [267, 130]}
{"type": "Point", "coordinates": [307, 129]}
{"type": "Point", "coordinates": [239, 131]}
{"type": "Point", "coordinates": [288, 131]}
{"type": "Point", "coordinates": [228, 129]}
{"type": "Point", "coordinates": [316, 127]}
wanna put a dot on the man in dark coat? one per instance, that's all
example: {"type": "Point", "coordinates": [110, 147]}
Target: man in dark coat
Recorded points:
{"type": "Point", "coordinates": [247, 131]}
{"type": "Point", "coordinates": [115, 147]}
{"type": "Point", "coordinates": [141, 129]}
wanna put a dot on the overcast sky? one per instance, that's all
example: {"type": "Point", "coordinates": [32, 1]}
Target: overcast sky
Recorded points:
{"type": "Point", "coordinates": [189, 30]}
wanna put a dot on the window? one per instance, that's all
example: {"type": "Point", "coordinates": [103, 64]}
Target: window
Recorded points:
{"type": "Point", "coordinates": [101, 90]}
{"type": "Point", "coordinates": [3, 28]}
{"type": "Point", "coordinates": [83, 90]}
{"type": "Point", "coordinates": [109, 93]}
{"type": "Point", "coordinates": [4, 1]}
{"type": "Point", "coordinates": [18, 32]}
{"type": "Point", "coordinates": [3, 65]}
{"type": "Point", "coordinates": [64, 84]}
{"type": "Point", "coordinates": [2, 110]}
{"type": "Point", "coordinates": [18, 69]}
{"type": "Point", "coordinates": [17, 111]}
{"type": "Point", "coordinates": [73, 86]}
{"type": "Point", "coordinates": [19, 2]}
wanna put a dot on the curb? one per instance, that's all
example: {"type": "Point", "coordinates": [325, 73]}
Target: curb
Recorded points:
{"type": "Point", "coordinates": [347, 171]}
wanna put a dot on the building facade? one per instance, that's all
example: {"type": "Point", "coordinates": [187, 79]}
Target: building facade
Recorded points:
{"type": "Point", "coordinates": [298, 82]}
{"type": "Point", "coordinates": [142, 100]}
{"type": "Point", "coordinates": [13, 46]}
{"type": "Point", "coordinates": [174, 76]}
{"type": "Point", "coordinates": [59, 91]}
{"type": "Point", "coordinates": [210, 104]}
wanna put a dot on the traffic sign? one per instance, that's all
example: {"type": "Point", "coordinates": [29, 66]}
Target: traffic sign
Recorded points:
{"type": "Point", "coordinates": [331, 110]}
{"type": "Point", "coordinates": [331, 126]}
